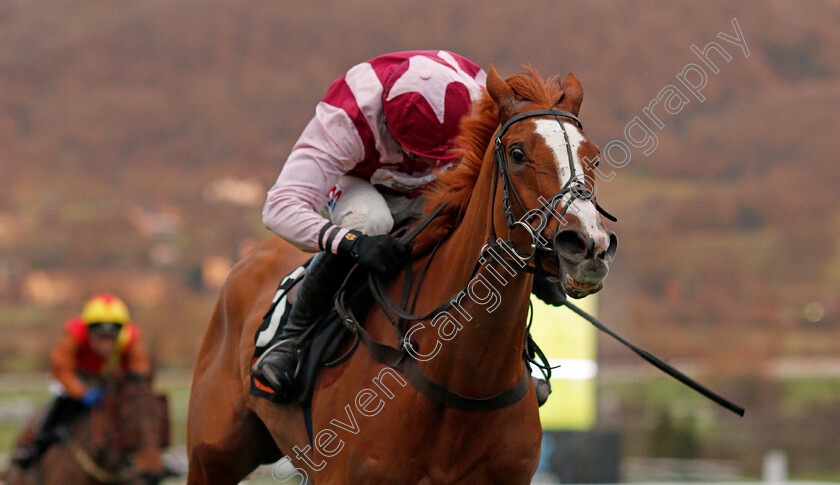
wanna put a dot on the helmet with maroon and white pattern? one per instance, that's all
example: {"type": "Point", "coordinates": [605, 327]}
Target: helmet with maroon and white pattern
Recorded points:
{"type": "Point", "coordinates": [424, 100]}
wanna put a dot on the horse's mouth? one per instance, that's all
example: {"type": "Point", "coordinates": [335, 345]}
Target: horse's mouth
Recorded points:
{"type": "Point", "coordinates": [578, 289]}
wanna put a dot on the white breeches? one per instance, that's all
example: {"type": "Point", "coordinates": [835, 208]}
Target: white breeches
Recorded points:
{"type": "Point", "coordinates": [356, 204]}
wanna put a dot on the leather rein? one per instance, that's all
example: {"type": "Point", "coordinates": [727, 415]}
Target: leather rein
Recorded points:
{"type": "Point", "coordinates": [400, 357]}
{"type": "Point", "coordinates": [85, 459]}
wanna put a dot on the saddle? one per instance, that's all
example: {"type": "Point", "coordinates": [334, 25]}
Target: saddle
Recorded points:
{"type": "Point", "coordinates": [321, 346]}
{"type": "Point", "coordinates": [325, 344]}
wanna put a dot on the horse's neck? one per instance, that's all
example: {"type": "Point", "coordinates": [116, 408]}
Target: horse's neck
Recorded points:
{"type": "Point", "coordinates": [486, 354]}
{"type": "Point", "coordinates": [91, 434]}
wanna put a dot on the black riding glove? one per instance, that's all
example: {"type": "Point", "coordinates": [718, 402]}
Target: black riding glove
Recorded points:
{"type": "Point", "coordinates": [378, 253]}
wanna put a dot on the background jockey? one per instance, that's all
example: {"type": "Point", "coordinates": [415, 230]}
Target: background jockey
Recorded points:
{"type": "Point", "coordinates": [98, 343]}
{"type": "Point", "coordinates": [357, 170]}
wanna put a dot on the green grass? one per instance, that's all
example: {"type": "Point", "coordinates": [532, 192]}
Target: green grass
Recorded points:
{"type": "Point", "coordinates": [827, 477]}
{"type": "Point", "coordinates": [8, 435]}
{"type": "Point", "coordinates": [14, 397]}
{"type": "Point", "coordinates": [817, 391]}
{"type": "Point", "coordinates": [647, 396]}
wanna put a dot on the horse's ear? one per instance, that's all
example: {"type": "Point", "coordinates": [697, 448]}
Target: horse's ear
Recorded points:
{"type": "Point", "coordinates": [573, 93]}
{"type": "Point", "coordinates": [502, 94]}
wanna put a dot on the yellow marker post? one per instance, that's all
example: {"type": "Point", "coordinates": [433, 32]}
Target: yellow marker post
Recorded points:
{"type": "Point", "coordinates": [570, 341]}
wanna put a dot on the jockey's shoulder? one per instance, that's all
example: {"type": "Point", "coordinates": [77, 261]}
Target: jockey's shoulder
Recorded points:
{"type": "Point", "coordinates": [77, 328]}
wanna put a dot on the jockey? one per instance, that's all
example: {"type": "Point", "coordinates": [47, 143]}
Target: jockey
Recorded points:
{"type": "Point", "coordinates": [356, 171]}
{"type": "Point", "coordinates": [100, 342]}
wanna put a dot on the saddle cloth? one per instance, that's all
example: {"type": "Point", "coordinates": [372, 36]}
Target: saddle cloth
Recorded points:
{"type": "Point", "coordinates": [319, 347]}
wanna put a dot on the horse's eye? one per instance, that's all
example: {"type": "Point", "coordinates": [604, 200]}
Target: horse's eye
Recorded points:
{"type": "Point", "coordinates": [517, 155]}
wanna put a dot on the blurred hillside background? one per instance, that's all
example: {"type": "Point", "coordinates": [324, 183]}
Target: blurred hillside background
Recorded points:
{"type": "Point", "coordinates": [137, 140]}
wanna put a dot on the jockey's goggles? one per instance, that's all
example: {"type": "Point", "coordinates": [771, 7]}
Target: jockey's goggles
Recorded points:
{"type": "Point", "coordinates": [105, 329]}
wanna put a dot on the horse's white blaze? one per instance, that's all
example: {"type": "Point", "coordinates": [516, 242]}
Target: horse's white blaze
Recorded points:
{"type": "Point", "coordinates": [552, 133]}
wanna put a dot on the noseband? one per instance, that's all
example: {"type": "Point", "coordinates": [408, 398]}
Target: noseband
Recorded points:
{"type": "Point", "coordinates": [401, 357]}
{"type": "Point", "coordinates": [575, 187]}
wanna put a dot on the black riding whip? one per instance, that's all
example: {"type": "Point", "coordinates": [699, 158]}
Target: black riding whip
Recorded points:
{"type": "Point", "coordinates": [656, 361]}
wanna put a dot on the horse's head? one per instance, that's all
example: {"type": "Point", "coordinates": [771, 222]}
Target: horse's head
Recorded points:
{"type": "Point", "coordinates": [142, 430]}
{"type": "Point", "coordinates": [545, 165]}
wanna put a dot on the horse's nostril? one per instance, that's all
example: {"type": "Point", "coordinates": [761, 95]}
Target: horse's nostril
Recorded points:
{"type": "Point", "coordinates": [613, 247]}
{"type": "Point", "coordinates": [571, 243]}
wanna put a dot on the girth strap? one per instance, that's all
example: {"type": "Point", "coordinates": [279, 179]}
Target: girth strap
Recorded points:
{"type": "Point", "coordinates": [401, 360]}
{"type": "Point", "coordinates": [452, 399]}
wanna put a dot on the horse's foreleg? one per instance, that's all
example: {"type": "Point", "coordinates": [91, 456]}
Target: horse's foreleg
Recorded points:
{"type": "Point", "coordinates": [225, 440]}
{"type": "Point", "coordinates": [230, 460]}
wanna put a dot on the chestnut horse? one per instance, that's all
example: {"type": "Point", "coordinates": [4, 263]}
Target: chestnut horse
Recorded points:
{"type": "Point", "coordinates": [368, 423]}
{"type": "Point", "coordinates": [119, 441]}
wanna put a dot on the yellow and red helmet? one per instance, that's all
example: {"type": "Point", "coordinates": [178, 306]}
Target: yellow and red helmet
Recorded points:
{"type": "Point", "coordinates": [105, 312]}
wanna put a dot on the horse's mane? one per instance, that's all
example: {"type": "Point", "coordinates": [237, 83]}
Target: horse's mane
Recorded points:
{"type": "Point", "coordinates": [454, 186]}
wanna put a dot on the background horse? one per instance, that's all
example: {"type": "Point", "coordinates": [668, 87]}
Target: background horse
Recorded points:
{"type": "Point", "coordinates": [368, 425]}
{"type": "Point", "coordinates": [118, 441]}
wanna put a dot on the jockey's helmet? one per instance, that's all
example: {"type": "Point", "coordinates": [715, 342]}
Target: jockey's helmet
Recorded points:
{"type": "Point", "coordinates": [424, 100]}
{"type": "Point", "coordinates": [105, 315]}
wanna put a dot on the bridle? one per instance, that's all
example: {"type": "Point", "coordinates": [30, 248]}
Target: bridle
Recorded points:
{"type": "Point", "coordinates": [575, 187]}
{"type": "Point", "coordinates": [401, 357]}
{"type": "Point", "coordinates": [102, 422]}
{"type": "Point", "coordinates": [108, 443]}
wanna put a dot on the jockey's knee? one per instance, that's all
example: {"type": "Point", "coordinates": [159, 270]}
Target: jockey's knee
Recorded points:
{"type": "Point", "coordinates": [369, 222]}
{"type": "Point", "coordinates": [361, 207]}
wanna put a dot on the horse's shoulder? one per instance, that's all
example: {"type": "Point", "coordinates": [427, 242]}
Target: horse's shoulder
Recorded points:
{"type": "Point", "coordinates": [271, 256]}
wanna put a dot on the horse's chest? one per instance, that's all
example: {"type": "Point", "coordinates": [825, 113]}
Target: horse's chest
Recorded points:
{"type": "Point", "coordinates": [424, 447]}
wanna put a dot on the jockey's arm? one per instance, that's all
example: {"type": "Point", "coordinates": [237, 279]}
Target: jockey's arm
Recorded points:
{"type": "Point", "coordinates": [137, 359]}
{"type": "Point", "coordinates": [328, 148]}
{"type": "Point", "coordinates": [63, 366]}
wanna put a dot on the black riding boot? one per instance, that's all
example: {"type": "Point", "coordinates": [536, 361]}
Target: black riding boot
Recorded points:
{"type": "Point", "coordinates": [62, 411]}
{"type": "Point", "coordinates": [279, 366]}
{"type": "Point", "coordinates": [551, 293]}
